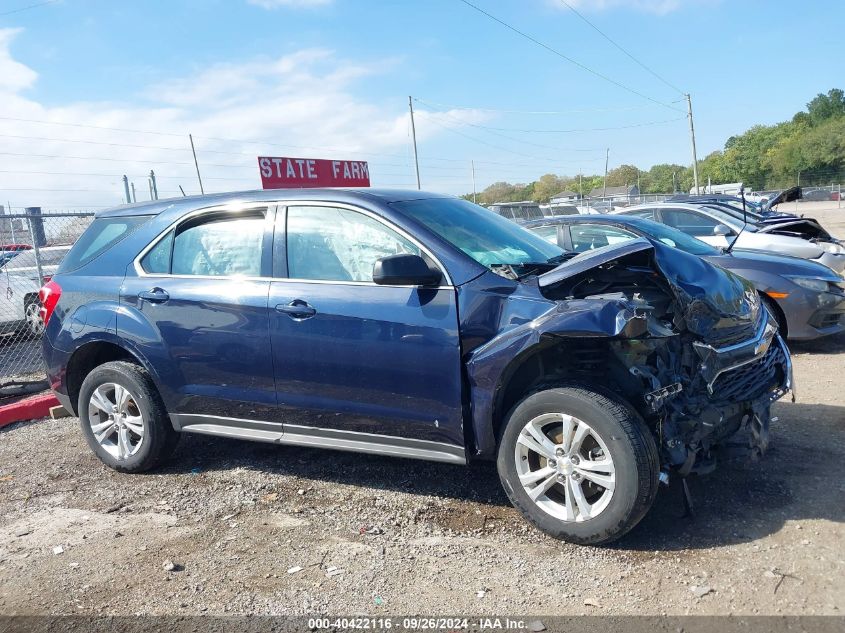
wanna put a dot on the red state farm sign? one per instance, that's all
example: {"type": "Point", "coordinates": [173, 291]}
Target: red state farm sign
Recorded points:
{"type": "Point", "coordinates": [293, 173]}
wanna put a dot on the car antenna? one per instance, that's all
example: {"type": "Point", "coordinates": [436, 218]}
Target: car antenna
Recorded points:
{"type": "Point", "coordinates": [182, 190]}
{"type": "Point", "coordinates": [744, 218]}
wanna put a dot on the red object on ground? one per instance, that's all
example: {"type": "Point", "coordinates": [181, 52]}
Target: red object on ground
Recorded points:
{"type": "Point", "coordinates": [27, 409]}
{"type": "Point", "coordinates": [294, 173]}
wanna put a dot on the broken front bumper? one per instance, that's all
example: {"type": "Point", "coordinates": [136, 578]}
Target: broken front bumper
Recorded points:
{"type": "Point", "coordinates": [742, 381]}
{"type": "Point", "coordinates": [745, 370]}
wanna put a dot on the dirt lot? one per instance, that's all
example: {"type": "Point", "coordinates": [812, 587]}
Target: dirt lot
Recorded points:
{"type": "Point", "coordinates": [409, 537]}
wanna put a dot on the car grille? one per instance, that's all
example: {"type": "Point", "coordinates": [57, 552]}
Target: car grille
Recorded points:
{"type": "Point", "coordinates": [734, 336]}
{"type": "Point", "coordinates": [752, 380]}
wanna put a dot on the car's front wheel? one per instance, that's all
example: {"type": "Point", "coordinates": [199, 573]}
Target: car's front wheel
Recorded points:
{"type": "Point", "coordinates": [578, 464]}
{"type": "Point", "coordinates": [123, 418]}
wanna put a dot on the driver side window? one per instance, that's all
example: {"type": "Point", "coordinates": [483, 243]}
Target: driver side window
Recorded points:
{"type": "Point", "coordinates": [334, 244]}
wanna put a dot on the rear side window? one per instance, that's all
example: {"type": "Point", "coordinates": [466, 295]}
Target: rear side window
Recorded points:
{"type": "Point", "coordinates": [100, 236]}
{"type": "Point", "coordinates": [218, 245]}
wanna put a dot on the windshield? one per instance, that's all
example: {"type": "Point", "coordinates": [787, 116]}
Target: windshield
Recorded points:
{"type": "Point", "coordinates": [485, 236]}
{"type": "Point", "coordinates": [674, 238]}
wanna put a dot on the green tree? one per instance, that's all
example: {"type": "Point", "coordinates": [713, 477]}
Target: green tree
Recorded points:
{"type": "Point", "coordinates": [547, 186]}
{"type": "Point", "coordinates": [824, 107]}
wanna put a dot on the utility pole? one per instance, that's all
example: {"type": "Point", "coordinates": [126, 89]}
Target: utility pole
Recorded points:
{"type": "Point", "coordinates": [606, 158]}
{"type": "Point", "coordinates": [11, 221]}
{"type": "Point", "coordinates": [674, 183]}
{"type": "Point", "coordinates": [126, 189]}
{"type": "Point", "coordinates": [580, 184]}
{"type": "Point", "coordinates": [153, 185]}
{"type": "Point", "coordinates": [472, 164]}
{"type": "Point", "coordinates": [134, 198]}
{"type": "Point", "coordinates": [692, 136]}
{"type": "Point", "coordinates": [414, 137]}
{"type": "Point", "coordinates": [196, 164]}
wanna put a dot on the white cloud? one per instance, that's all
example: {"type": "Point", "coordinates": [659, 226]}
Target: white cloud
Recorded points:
{"type": "Point", "coordinates": [14, 76]}
{"type": "Point", "coordinates": [658, 7]}
{"type": "Point", "coordinates": [302, 104]}
{"type": "Point", "coordinates": [296, 4]}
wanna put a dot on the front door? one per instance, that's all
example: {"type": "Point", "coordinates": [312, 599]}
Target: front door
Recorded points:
{"type": "Point", "coordinates": [197, 309]}
{"type": "Point", "coordinates": [353, 356]}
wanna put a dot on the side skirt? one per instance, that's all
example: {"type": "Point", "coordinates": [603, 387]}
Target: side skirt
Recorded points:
{"type": "Point", "coordinates": [319, 438]}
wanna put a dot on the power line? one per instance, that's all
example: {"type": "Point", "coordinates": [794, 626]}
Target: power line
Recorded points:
{"type": "Point", "coordinates": [218, 139]}
{"type": "Point", "coordinates": [586, 129]}
{"type": "Point", "coordinates": [540, 112]}
{"type": "Point", "coordinates": [499, 147]}
{"type": "Point", "coordinates": [27, 8]}
{"type": "Point", "coordinates": [609, 39]}
{"type": "Point", "coordinates": [565, 57]}
{"type": "Point", "coordinates": [574, 130]}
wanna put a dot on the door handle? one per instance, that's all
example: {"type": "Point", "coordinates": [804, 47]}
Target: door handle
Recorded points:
{"type": "Point", "coordinates": [297, 309]}
{"type": "Point", "coordinates": [156, 295]}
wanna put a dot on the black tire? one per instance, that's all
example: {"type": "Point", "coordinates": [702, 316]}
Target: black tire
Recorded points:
{"type": "Point", "coordinates": [777, 313]}
{"type": "Point", "coordinates": [159, 439]}
{"type": "Point", "coordinates": [632, 450]}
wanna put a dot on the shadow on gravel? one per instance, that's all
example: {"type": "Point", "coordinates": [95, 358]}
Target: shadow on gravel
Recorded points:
{"type": "Point", "coordinates": [800, 478]}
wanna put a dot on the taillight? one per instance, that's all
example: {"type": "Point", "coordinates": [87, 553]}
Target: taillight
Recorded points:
{"type": "Point", "coordinates": [49, 296]}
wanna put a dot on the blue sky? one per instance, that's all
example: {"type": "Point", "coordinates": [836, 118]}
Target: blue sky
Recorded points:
{"type": "Point", "coordinates": [331, 78]}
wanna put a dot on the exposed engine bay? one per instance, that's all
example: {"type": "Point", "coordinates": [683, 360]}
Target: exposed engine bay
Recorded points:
{"type": "Point", "coordinates": [689, 345]}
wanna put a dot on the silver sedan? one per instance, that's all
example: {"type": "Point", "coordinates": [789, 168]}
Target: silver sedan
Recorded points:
{"type": "Point", "coordinates": [722, 229]}
{"type": "Point", "coordinates": [806, 298]}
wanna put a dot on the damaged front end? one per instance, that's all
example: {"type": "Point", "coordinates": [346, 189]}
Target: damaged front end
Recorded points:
{"type": "Point", "coordinates": [686, 343]}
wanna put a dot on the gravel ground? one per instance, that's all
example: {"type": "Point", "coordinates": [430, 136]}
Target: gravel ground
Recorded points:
{"type": "Point", "coordinates": [230, 527]}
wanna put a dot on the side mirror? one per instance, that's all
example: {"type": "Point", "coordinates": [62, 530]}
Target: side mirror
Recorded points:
{"type": "Point", "coordinates": [722, 229]}
{"type": "Point", "coordinates": [405, 270]}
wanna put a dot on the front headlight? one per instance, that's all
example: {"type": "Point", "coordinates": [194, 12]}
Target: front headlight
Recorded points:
{"type": "Point", "coordinates": [831, 247]}
{"type": "Point", "coordinates": [811, 283]}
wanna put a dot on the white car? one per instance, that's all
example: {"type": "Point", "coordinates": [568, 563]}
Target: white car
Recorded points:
{"type": "Point", "coordinates": [722, 229]}
{"type": "Point", "coordinates": [19, 286]}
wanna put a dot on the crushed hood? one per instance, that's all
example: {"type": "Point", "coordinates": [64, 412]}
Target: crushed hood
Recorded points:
{"type": "Point", "coordinates": [805, 228]}
{"type": "Point", "coordinates": [787, 195]}
{"type": "Point", "coordinates": [713, 303]}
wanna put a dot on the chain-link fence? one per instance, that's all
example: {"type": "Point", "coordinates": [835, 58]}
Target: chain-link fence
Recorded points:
{"type": "Point", "coordinates": [32, 244]}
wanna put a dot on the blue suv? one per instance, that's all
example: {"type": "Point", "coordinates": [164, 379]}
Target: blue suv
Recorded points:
{"type": "Point", "coordinates": [415, 325]}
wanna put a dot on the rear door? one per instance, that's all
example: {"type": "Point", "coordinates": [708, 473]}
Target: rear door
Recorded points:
{"type": "Point", "coordinates": [197, 309]}
{"type": "Point", "coordinates": [354, 357]}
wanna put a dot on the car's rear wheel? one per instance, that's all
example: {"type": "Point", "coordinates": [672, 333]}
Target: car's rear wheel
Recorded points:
{"type": "Point", "coordinates": [578, 464]}
{"type": "Point", "coordinates": [32, 316]}
{"type": "Point", "coordinates": [123, 418]}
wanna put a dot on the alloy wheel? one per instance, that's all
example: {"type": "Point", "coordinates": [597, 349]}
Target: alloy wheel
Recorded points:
{"type": "Point", "coordinates": [116, 421]}
{"type": "Point", "coordinates": [565, 467]}
{"type": "Point", "coordinates": [32, 314]}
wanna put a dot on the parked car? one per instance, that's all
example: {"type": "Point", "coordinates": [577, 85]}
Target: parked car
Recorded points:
{"type": "Point", "coordinates": [518, 211]}
{"type": "Point", "coordinates": [6, 257]}
{"type": "Point", "coordinates": [416, 325]}
{"type": "Point", "coordinates": [720, 228]}
{"type": "Point", "coordinates": [19, 285]}
{"type": "Point", "coordinates": [816, 194]}
{"type": "Point", "coordinates": [806, 299]}
{"type": "Point", "coordinates": [16, 247]}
